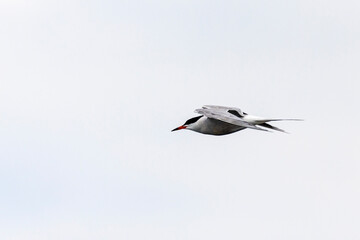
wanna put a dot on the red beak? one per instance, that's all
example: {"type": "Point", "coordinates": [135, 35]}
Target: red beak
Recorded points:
{"type": "Point", "coordinates": [178, 128]}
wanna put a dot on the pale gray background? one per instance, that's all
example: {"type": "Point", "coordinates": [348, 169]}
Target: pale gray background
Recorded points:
{"type": "Point", "coordinates": [91, 89]}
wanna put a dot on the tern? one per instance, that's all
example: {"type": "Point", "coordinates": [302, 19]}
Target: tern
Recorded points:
{"type": "Point", "coordinates": [219, 120]}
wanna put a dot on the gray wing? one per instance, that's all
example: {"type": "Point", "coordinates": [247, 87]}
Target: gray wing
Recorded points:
{"type": "Point", "coordinates": [223, 115]}
{"type": "Point", "coordinates": [222, 108]}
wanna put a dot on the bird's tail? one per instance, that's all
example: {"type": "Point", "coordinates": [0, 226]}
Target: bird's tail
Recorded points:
{"type": "Point", "coordinates": [266, 125]}
{"type": "Point", "coordinates": [263, 123]}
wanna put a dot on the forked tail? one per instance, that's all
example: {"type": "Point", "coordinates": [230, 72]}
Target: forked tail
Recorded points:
{"type": "Point", "coordinates": [264, 124]}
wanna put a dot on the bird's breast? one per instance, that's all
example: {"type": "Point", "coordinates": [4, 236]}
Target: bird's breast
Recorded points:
{"type": "Point", "coordinates": [216, 127]}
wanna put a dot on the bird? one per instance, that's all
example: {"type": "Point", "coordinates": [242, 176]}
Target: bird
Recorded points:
{"type": "Point", "coordinates": [220, 120]}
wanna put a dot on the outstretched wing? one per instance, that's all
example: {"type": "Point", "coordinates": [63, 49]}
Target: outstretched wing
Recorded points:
{"type": "Point", "coordinates": [222, 114]}
{"type": "Point", "coordinates": [232, 110]}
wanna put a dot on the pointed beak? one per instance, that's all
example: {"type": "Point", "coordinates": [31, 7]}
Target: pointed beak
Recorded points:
{"type": "Point", "coordinates": [178, 128]}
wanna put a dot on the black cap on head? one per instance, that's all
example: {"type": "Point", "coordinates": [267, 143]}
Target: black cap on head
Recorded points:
{"type": "Point", "coordinates": [192, 120]}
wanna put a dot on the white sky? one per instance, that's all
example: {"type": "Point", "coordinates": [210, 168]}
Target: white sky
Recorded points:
{"type": "Point", "coordinates": [89, 91]}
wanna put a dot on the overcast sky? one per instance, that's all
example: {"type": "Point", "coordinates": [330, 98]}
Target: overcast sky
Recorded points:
{"type": "Point", "coordinates": [89, 91]}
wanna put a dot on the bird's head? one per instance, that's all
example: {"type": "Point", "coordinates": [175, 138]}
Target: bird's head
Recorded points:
{"type": "Point", "coordinates": [189, 124]}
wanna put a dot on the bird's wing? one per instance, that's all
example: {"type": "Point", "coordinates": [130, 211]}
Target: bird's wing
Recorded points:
{"type": "Point", "coordinates": [225, 116]}
{"type": "Point", "coordinates": [214, 107]}
{"type": "Point", "coordinates": [233, 110]}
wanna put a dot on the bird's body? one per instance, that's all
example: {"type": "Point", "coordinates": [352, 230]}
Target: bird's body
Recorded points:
{"type": "Point", "coordinates": [218, 120]}
{"type": "Point", "coordinates": [213, 126]}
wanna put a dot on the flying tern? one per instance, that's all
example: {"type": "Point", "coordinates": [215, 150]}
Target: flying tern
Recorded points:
{"type": "Point", "coordinates": [219, 120]}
